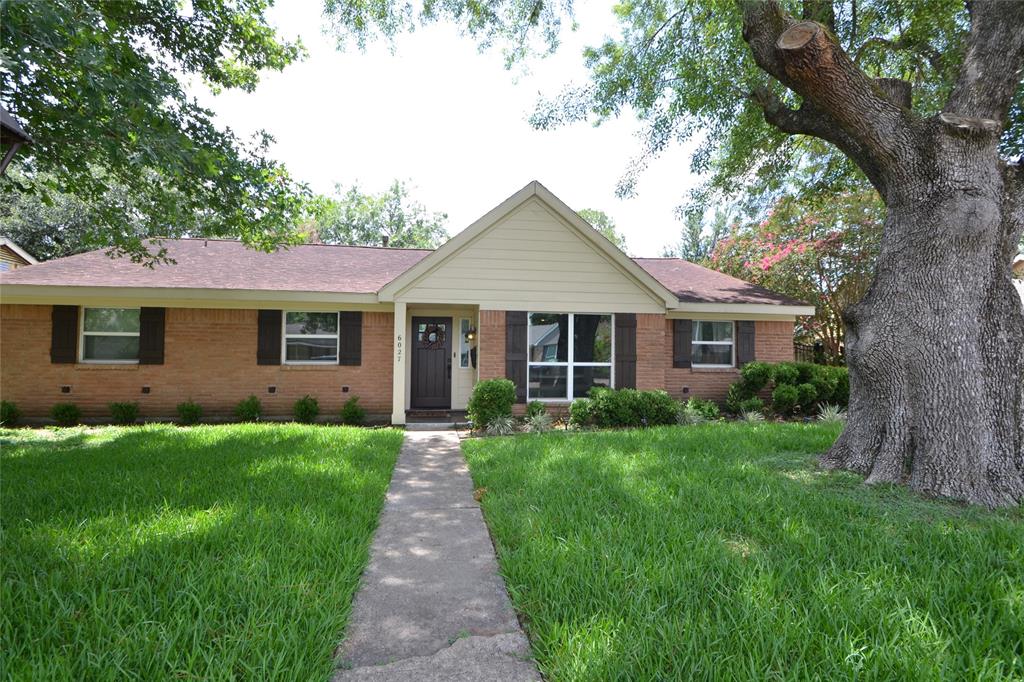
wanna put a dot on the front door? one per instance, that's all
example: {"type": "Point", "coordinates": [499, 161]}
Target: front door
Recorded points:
{"type": "Point", "coordinates": [432, 362]}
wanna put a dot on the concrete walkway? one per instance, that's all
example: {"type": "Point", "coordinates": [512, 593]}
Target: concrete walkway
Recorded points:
{"type": "Point", "coordinates": [431, 605]}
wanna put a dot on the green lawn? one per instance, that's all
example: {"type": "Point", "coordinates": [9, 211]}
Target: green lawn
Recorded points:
{"type": "Point", "coordinates": [160, 552]}
{"type": "Point", "coordinates": [719, 552]}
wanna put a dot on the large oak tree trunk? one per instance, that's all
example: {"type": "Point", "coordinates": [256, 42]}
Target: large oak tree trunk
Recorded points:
{"type": "Point", "coordinates": [936, 348]}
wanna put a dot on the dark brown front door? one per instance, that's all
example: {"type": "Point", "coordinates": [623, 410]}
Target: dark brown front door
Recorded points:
{"type": "Point", "coordinates": [432, 362]}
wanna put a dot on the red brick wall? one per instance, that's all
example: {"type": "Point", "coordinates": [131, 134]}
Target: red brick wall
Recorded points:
{"type": "Point", "coordinates": [209, 357]}
{"type": "Point", "coordinates": [491, 355]}
{"type": "Point", "coordinates": [773, 342]}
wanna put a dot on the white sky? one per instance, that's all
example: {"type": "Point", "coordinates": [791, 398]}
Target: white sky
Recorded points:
{"type": "Point", "coordinates": [451, 121]}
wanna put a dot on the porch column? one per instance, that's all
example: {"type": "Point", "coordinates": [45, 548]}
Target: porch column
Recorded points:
{"type": "Point", "coordinates": [400, 350]}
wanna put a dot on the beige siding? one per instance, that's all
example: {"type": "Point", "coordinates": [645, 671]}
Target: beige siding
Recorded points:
{"type": "Point", "coordinates": [532, 260]}
{"type": "Point", "coordinates": [9, 260]}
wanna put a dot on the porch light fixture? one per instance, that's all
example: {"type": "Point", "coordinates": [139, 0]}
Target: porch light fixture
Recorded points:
{"type": "Point", "coordinates": [471, 334]}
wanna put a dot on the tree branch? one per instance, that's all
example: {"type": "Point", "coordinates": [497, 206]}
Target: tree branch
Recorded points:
{"type": "Point", "coordinates": [991, 70]}
{"type": "Point", "coordinates": [868, 120]}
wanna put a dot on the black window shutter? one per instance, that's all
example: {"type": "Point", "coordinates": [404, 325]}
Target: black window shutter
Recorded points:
{"type": "Point", "coordinates": [268, 340]}
{"type": "Point", "coordinates": [515, 351]}
{"type": "Point", "coordinates": [350, 337]}
{"type": "Point", "coordinates": [64, 334]}
{"type": "Point", "coordinates": [151, 336]}
{"type": "Point", "coordinates": [625, 350]}
{"type": "Point", "coordinates": [682, 343]}
{"type": "Point", "coordinates": [744, 342]}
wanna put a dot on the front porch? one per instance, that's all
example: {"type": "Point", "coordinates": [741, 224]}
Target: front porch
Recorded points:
{"type": "Point", "coordinates": [436, 362]}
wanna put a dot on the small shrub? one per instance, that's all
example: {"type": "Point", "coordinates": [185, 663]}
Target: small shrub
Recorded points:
{"type": "Point", "coordinates": [657, 408]}
{"type": "Point", "coordinates": [690, 416]}
{"type": "Point", "coordinates": [66, 414]}
{"type": "Point", "coordinates": [249, 410]}
{"type": "Point", "coordinates": [841, 394]}
{"type": "Point", "coordinates": [735, 396]}
{"type": "Point", "coordinates": [491, 398]}
{"type": "Point", "coordinates": [628, 407]}
{"type": "Point", "coordinates": [808, 396]}
{"type": "Point", "coordinates": [706, 408]}
{"type": "Point", "coordinates": [9, 413]}
{"type": "Point", "coordinates": [784, 398]}
{"type": "Point", "coordinates": [831, 414]}
{"type": "Point", "coordinates": [189, 412]}
{"type": "Point", "coordinates": [501, 425]}
{"type": "Point", "coordinates": [124, 413]}
{"type": "Point", "coordinates": [306, 409]}
{"type": "Point", "coordinates": [752, 404]}
{"type": "Point", "coordinates": [581, 413]}
{"type": "Point", "coordinates": [786, 373]}
{"type": "Point", "coordinates": [756, 375]}
{"type": "Point", "coordinates": [352, 413]}
{"type": "Point", "coordinates": [752, 416]}
{"type": "Point", "coordinates": [535, 407]}
{"type": "Point", "coordinates": [539, 423]}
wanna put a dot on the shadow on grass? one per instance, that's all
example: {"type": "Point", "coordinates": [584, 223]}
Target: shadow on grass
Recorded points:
{"type": "Point", "coordinates": [721, 551]}
{"type": "Point", "coordinates": [209, 553]}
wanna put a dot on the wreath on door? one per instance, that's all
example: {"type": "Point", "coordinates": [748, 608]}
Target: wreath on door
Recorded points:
{"type": "Point", "coordinates": [432, 338]}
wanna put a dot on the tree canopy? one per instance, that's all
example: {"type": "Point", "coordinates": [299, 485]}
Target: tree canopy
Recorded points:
{"type": "Point", "coordinates": [358, 218]}
{"type": "Point", "coordinates": [604, 224]}
{"type": "Point", "coordinates": [101, 88]}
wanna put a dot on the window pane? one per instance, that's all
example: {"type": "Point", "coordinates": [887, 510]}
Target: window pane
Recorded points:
{"type": "Point", "coordinates": [704, 354]}
{"type": "Point", "coordinates": [111, 348]}
{"type": "Point", "coordinates": [463, 343]}
{"type": "Point", "coordinates": [311, 350]}
{"type": "Point", "coordinates": [112, 319]}
{"type": "Point", "coordinates": [586, 378]}
{"type": "Point", "coordinates": [549, 337]}
{"type": "Point", "coordinates": [712, 331]}
{"type": "Point", "coordinates": [311, 323]}
{"type": "Point", "coordinates": [593, 338]}
{"type": "Point", "coordinates": [548, 382]}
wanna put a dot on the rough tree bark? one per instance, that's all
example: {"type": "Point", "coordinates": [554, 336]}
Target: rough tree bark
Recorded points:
{"type": "Point", "coordinates": [936, 347]}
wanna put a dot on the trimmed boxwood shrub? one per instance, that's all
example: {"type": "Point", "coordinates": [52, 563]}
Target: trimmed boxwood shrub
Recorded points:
{"type": "Point", "coordinates": [189, 412]}
{"type": "Point", "coordinates": [752, 404]}
{"type": "Point", "coordinates": [352, 413]}
{"type": "Point", "coordinates": [9, 413]}
{"type": "Point", "coordinates": [755, 376]}
{"type": "Point", "coordinates": [66, 414]}
{"type": "Point", "coordinates": [786, 373]}
{"type": "Point", "coordinates": [124, 413]}
{"type": "Point", "coordinates": [306, 409]}
{"type": "Point", "coordinates": [491, 398]}
{"type": "Point", "coordinates": [581, 412]}
{"type": "Point", "coordinates": [249, 410]}
{"type": "Point", "coordinates": [628, 407]}
{"type": "Point", "coordinates": [784, 398]}
{"type": "Point", "coordinates": [808, 397]}
{"type": "Point", "coordinates": [535, 407]}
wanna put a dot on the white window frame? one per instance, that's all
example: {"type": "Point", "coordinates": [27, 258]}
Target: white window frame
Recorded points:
{"type": "Point", "coordinates": [285, 336]}
{"type": "Point", "coordinates": [731, 342]}
{"type": "Point", "coordinates": [570, 363]}
{"type": "Point", "coordinates": [82, 334]}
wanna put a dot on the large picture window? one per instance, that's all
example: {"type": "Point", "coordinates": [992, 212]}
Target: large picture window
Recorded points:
{"type": "Point", "coordinates": [110, 335]}
{"type": "Point", "coordinates": [569, 354]}
{"type": "Point", "coordinates": [311, 338]}
{"type": "Point", "coordinates": [712, 344]}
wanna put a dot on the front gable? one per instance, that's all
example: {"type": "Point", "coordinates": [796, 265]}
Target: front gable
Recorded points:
{"type": "Point", "coordinates": [534, 255]}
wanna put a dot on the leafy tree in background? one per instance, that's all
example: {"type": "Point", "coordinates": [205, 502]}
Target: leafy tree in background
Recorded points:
{"type": "Point", "coordinates": [925, 102]}
{"type": "Point", "coordinates": [603, 223]}
{"type": "Point", "coordinates": [697, 241]}
{"type": "Point", "coordinates": [353, 217]}
{"type": "Point", "coordinates": [820, 249]}
{"type": "Point", "coordinates": [99, 87]}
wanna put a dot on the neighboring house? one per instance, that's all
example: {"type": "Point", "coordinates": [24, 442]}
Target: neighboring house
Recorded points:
{"type": "Point", "coordinates": [13, 256]}
{"type": "Point", "coordinates": [403, 329]}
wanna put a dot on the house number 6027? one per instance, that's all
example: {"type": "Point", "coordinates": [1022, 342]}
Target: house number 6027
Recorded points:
{"type": "Point", "coordinates": [398, 347]}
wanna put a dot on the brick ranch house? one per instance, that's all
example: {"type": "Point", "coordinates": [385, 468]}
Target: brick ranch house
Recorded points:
{"type": "Point", "coordinates": [530, 291]}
